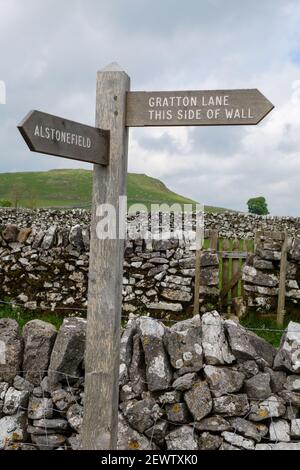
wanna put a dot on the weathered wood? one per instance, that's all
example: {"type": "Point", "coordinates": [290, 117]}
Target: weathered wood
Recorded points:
{"type": "Point", "coordinates": [214, 240]}
{"type": "Point", "coordinates": [197, 282]}
{"type": "Point", "coordinates": [234, 255]}
{"type": "Point", "coordinates": [231, 284]}
{"type": "Point", "coordinates": [57, 136]}
{"type": "Point", "coordinates": [225, 271]}
{"type": "Point", "coordinates": [246, 247]}
{"type": "Point", "coordinates": [196, 108]}
{"type": "Point", "coordinates": [282, 283]}
{"type": "Point", "coordinates": [106, 272]}
{"type": "Point", "coordinates": [235, 269]}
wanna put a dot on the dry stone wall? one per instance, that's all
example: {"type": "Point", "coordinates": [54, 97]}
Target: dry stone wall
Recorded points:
{"type": "Point", "coordinates": [203, 383]}
{"type": "Point", "coordinates": [229, 224]}
{"type": "Point", "coordinates": [48, 270]}
{"type": "Point", "coordinates": [261, 275]}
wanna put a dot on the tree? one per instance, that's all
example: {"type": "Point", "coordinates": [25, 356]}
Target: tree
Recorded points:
{"type": "Point", "coordinates": [258, 205]}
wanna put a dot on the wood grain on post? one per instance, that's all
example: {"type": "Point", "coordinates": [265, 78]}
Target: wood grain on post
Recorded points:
{"type": "Point", "coordinates": [100, 421]}
{"type": "Point", "coordinates": [197, 282]}
{"type": "Point", "coordinates": [235, 267]}
{"type": "Point", "coordinates": [214, 240]}
{"type": "Point", "coordinates": [225, 273]}
{"type": "Point", "coordinates": [282, 283]}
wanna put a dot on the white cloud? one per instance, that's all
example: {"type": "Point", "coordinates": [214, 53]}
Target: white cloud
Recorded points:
{"type": "Point", "coordinates": [50, 52]}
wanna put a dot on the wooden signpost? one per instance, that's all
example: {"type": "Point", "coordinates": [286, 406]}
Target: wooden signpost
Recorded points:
{"type": "Point", "coordinates": [196, 108]}
{"type": "Point", "coordinates": [117, 109]}
{"type": "Point", "coordinates": [53, 135]}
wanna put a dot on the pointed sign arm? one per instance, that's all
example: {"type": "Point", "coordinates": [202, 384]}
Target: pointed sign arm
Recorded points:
{"type": "Point", "coordinates": [53, 135]}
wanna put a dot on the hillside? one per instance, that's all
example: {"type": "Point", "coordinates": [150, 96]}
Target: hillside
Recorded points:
{"type": "Point", "coordinates": [72, 188]}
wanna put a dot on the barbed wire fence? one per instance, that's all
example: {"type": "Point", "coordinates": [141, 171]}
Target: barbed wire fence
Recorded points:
{"type": "Point", "coordinates": [161, 415]}
{"type": "Point", "coordinates": [15, 305]}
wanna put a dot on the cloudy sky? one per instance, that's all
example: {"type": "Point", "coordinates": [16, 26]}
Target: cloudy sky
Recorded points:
{"type": "Point", "coordinates": [50, 52]}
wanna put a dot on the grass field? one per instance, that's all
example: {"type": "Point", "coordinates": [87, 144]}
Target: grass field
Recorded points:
{"type": "Point", "coordinates": [73, 188]}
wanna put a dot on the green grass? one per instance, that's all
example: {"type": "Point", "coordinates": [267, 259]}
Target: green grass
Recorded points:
{"type": "Point", "coordinates": [23, 317]}
{"type": "Point", "coordinates": [256, 323]}
{"type": "Point", "coordinates": [73, 188]}
{"type": "Point", "coordinates": [260, 325]}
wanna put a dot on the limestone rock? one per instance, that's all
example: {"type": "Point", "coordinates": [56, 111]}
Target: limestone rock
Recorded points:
{"type": "Point", "coordinates": [182, 438]}
{"type": "Point", "coordinates": [280, 431]}
{"type": "Point", "coordinates": [231, 405]}
{"type": "Point", "coordinates": [258, 387]}
{"type": "Point", "coordinates": [11, 348]}
{"type": "Point", "coordinates": [40, 408]}
{"type": "Point", "coordinates": [248, 368]}
{"type": "Point", "coordinates": [75, 417]}
{"type": "Point", "coordinates": [288, 355]}
{"type": "Point", "coordinates": [56, 425]}
{"type": "Point", "coordinates": [49, 238]}
{"type": "Point", "coordinates": [48, 442]}
{"type": "Point", "coordinates": [246, 428]}
{"type": "Point", "coordinates": [222, 380]}
{"type": "Point", "coordinates": [279, 446]}
{"type": "Point", "coordinates": [39, 339]}
{"type": "Point", "coordinates": [178, 413]}
{"type": "Point", "coordinates": [273, 407]}
{"type": "Point", "coordinates": [292, 383]}
{"type": "Point", "coordinates": [252, 275]}
{"type": "Point", "coordinates": [15, 401]}
{"type": "Point", "coordinates": [185, 382]}
{"type": "Point", "coordinates": [215, 347]}
{"type": "Point", "coordinates": [68, 351]}
{"type": "Point", "coordinates": [199, 400]}
{"type": "Point", "coordinates": [158, 369]}
{"type": "Point", "coordinates": [169, 398]}
{"type": "Point", "coordinates": [62, 399]}
{"type": "Point", "coordinates": [292, 398]}
{"type": "Point", "coordinates": [23, 385]}
{"type": "Point", "coordinates": [157, 433]}
{"type": "Point", "coordinates": [295, 428]}
{"type": "Point", "coordinates": [213, 424]}
{"type": "Point", "coordinates": [129, 439]}
{"type": "Point", "coordinates": [183, 343]}
{"type": "Point", "coordinates": [238, 441]}
{"type": "Point", "coordinates": [12, 430]}
{"type": "Point", "coordinates": [209, 441]}
{"type": "Point", "coordinates": [75, 237]}
{"type": "Point", "coordinates": [277, 380]}
{"type": "Point", "coordinates": [176, 295]}
{"type": "Point", "coordinates": [137, 369]}
{"type": "Point", "coordinates": [142, 414]}
{"type": "Point", "coordinates": [246, 345]}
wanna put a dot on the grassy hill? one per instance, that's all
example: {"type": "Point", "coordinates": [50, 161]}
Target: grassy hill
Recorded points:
{"type": "Point", "coordinates": [73, 188]}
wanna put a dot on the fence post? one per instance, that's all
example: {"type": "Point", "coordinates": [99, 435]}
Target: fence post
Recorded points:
{"type": "Point", "coordinates": [282, 282]}
{"type": "Point", "coordinates": [100, 422]}
{"type": "Point", "coordinates": [235, 268]}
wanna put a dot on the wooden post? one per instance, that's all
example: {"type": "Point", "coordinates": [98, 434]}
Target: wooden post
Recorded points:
{"type": "Point", "coordinates": [225, 275]}
{"type": "Point", "coordinates": [235, 268]}
{"type": "Point", "coordinates": [199, 245]}
{"type": "Point", "coordinates": [214, 240]}
{"type": "Point", "coordinates": [282, 282]}
{"type": "Point", "coordinates": [100, 421]}
{"type": "Point", "coordinates": [197, 282]}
